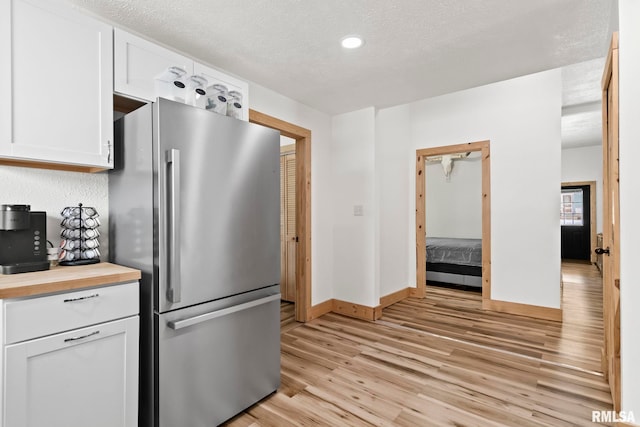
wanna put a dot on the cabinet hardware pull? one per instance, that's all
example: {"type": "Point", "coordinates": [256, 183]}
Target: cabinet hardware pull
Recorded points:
{"type": "Point", "coordinates": [82, 337]}
{"type": "Point", "coordinates": [109, 152]}
{"type": "Point", "coordinates": [82, 298]}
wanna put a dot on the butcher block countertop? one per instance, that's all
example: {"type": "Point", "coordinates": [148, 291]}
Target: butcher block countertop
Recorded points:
{"type": "Point", "coordinates": [64, 278]}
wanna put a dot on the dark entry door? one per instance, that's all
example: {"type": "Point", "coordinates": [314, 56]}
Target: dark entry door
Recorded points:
{"type": "Point", "coordinates": [575, 222]}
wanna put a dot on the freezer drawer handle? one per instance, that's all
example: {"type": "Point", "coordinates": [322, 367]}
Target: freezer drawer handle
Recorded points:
{"type": "Point", "coordinates": [81, 298]}
{"type": "Point", "coordinates": [179, 324]}
{"type": "Point", "coordinates": [174, 287]}
{"type": "Point", "coordinates": [82, 337]}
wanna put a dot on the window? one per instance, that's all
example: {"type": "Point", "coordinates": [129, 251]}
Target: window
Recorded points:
{"type": "Point", "coordinates": [571, 207]}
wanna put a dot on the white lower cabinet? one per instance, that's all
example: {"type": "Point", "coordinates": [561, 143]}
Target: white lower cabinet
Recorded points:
{"type": "Point", "coordinates": [85, 376]}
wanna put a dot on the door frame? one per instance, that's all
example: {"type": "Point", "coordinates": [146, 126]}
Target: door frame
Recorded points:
{"type": "Point", "coordinates": [420, 290]}
{"type": "Point", "coordinates": [303, 206]}
{"type": "Point", "coordinates": [611, 364]}
{"type": "Point", "coordinates": [592, 211]}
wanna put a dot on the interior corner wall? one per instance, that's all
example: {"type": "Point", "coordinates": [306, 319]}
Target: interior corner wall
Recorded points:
{"type": "Point", "coordinates": [521, 118]}
{"type": "Point", "coordinates": [585, 164]}
{"type": "Point", "coordinates": [269, 102]}
{"type": "Point", "coordinates": [392, 170]}
{"type": "Point", "coordinates": [354, 213]}
{"type": "Point", "coordinates": [629, 104]}
{"type": "Point", "coordinates": [454, 204]}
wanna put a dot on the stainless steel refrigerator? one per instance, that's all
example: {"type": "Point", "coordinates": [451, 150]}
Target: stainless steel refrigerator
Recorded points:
{"type": "Point", "coordinates": [194, 202]}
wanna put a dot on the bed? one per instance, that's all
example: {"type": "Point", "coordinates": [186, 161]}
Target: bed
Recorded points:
{"type": "Point", "coordinates": [454, 261]}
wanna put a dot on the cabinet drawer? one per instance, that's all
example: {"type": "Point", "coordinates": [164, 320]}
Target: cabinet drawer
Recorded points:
{"type": "Point", "coordinates": [38, 316]}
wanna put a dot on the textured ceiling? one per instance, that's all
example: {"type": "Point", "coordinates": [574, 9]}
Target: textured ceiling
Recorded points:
{"type": "Point", "coordinates": [581, 123]}
{"type": "Point", "coordinates": [414, 48]}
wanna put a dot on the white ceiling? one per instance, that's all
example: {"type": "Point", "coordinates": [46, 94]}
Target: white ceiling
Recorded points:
{"type": "Point", "coordinates": [414, 49]}
{"type": "Point", "coordinates": [581, 122]}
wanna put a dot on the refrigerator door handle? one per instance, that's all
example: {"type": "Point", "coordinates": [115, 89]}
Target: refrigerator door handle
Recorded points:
{"type": "Point", "coordinates": [173, 222]}
{"type": "Point", "coordinates": [180, 324]}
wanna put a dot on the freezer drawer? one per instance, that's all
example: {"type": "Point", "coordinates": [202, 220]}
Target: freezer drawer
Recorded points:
{"type": "Point", "coordinates": [217, 359]}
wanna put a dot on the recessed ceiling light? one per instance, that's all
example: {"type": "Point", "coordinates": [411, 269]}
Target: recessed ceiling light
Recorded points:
{"type": "Point", "coordinates": [352, 42]}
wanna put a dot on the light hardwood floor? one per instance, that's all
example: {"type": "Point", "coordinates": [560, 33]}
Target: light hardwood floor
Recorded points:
{"type": "Point", "coordinates": [442, 361]}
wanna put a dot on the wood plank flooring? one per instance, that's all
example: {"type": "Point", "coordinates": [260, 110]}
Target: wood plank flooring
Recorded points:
{"type": "Point", "coordinates": [458, 314]}
{"type": "Point", "coordinates": [451, 364]}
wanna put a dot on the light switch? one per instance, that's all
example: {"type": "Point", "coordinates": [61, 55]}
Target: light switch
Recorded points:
{"type": "Point", "coordinates": [357, 210]}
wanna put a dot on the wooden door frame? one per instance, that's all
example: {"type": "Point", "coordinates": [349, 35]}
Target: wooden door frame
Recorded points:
{"type": "Point", "coordinates": [611, 264]}
{"type": "Point", "coordinates": [303, 206]}
{"type": "Point", "coordinates": [421, 250]}
{"type": "Point", "coordinates": [592, 211]}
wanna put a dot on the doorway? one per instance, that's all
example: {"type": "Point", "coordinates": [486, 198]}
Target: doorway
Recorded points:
{"type": "Point", "coordinates": [453, 211]}
{"type": "Point", "coordinates": [302, 137]}
{"type": "Point", "coordinates": [421, 231]}
{"type": "Point", "coordinates": [288, 243]}
{"type": "Point", "coordinates": [578, 221]}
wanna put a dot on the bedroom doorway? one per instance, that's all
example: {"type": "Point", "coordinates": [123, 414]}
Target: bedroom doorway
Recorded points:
{"type": "Point", "coordinates": [447, 154]}
{"type": "Point", "coordinates": [453, 214]}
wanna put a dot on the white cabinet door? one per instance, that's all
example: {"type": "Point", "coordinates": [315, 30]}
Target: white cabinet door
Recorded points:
{"type": "Point", "coordinates": [57, 77]}
{"type": "Point", "coordinates": [137, 62]}
{"type": "Point", "coordinates": [85, 377]}
{"type": "Point", "coordinates": [214, 76]}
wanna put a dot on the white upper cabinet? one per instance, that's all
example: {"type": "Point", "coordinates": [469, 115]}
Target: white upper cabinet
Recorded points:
{"type": "Point", "coordinates": [137, 63]}
{"type": "Point", "coordinates": [141, 66]}
{"type": "Point", "coordinates": [232, 84]}
{"type": "Point", "coordinates": [56, 82]}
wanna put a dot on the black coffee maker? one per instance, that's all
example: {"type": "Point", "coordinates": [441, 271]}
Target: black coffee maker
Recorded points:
{"type": "Point", "coordinates": [23, 239]}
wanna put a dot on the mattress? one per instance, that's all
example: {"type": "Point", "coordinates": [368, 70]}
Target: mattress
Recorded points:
{"type": "Point", "coordinates": [446, 250]}
{"type": "Point", "coordinates": [452, 260]}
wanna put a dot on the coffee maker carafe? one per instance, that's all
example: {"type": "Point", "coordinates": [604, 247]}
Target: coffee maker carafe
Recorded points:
{"type": "Point", "coordinates": [23, 240]}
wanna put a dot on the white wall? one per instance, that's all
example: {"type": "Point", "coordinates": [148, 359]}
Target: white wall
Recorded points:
{"type": "Point", "coordinates": [51, 191]}
{"type": "Point", "coordinates": [271, 103]}
{"type": "Point", "coordinates": [392, 172]}
{"type": "Point", "coordinates": [521, 118]}
{"type": "Point", "coordinates": [629, 203]}
{"type": "Point", "coordinates": [353, 187]}
{"type": "Point", "coordinates": [285, 140]}
{"type": "Point", "coordinates": [585, 164]}
{"type": "Point", "coordinates": [454, 205]}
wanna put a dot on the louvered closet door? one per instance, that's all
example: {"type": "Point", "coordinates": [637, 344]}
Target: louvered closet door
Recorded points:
{"type": "Point", "coordinates": [288, 245]}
